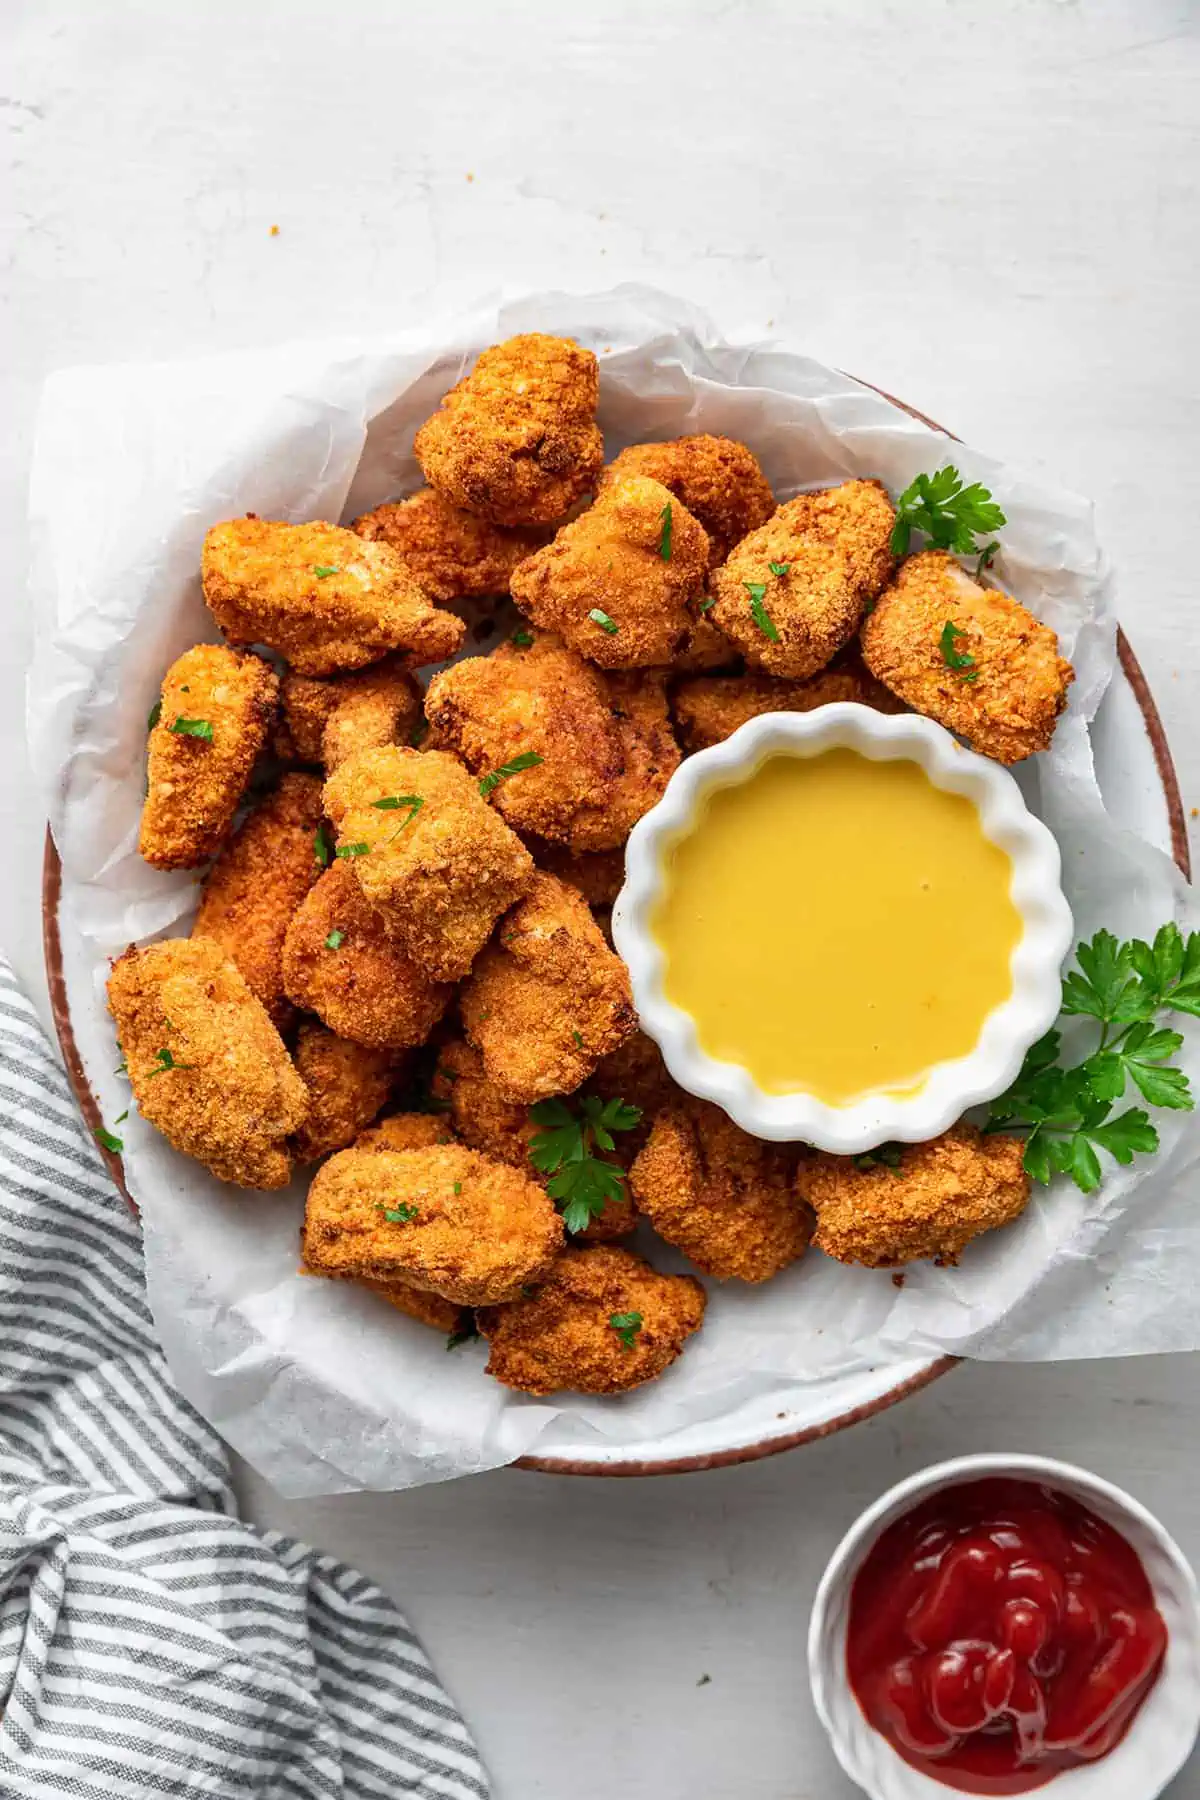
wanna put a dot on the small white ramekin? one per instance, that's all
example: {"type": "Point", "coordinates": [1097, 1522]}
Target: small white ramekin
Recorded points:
{"type": "Point", "coordinates": [1162, 1734]}
{"type": "Point", "coordinates": [950, 1087]}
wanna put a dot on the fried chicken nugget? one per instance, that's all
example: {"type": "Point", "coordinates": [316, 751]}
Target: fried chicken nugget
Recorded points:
{"type": "Point", "coordinates": [210, 723]}
{"type": "Point", "coordinates": [347, 1085]}
{"type": "Point", "coordinates": [322, 596]}
{"type": "Point", "coordinates": [937, 1197]}
{"type": "Point", "coordinates": [547, 998]}
{"type": "Point", "coordinates": [636, 1073]}
{"type": "Point", "coordinates": [724, 1198]}
{"type": "Point", "coordinates": [340, 963]}
{"type": "Point", "coordinates": [718, 479]}
{"type": "Point", "coordinates": [253, 889]}
{"type": "Point", "coordinates": [649, 758]}
{"type": "Point", "coordinates": [792, 593]}
{"type": "Point", "coordinates": [327, 721]}
{"type": "Point", "coordinates": [452, 554]}
{"type": "Point", "coordinates": [406, 1131]}
{"type": "Point", "coordinates": [439, 863]}
{"type": "Point", "coordinates": [207, 1067]}
{"type": "Point", "coordinates": [603, 1321]}
{"type": "Point", "coordinates": [516, 441]}
{"type": "Point", "coordinates": [605, 584]}
{"type": "Point", "coordinates": [708, 709]}
{"type": "Point", "coordinates": [1007, 700]}
{"type": "Point", "coordinates": [446, 1220]}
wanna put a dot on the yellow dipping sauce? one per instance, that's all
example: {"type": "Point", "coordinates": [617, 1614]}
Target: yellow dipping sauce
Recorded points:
{"type": "Point", "coordinates": [837, 926]}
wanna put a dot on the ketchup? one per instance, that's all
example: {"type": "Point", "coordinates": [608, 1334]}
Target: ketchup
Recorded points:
{"type": "Point", "coordinates": [999, 1633]}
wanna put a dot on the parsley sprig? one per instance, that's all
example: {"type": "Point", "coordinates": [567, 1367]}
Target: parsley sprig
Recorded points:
{"type": "Point", "coordinates": [401, 1214]}
{"type": "Point", "coordinates": [626, 1325]}
{"type": "Point", "coordinates": [950, 515]}
{"type": "Point", "coordinates": [582, 1183]}
{"type": "Point", "coordinates": [1067, 1111]}
{"type": "Point", "coordinates": [528, 759]}
{"type": "Point", "coordinates": [165, 1060]}
{"type": "Point", "coordinates": [197, 728]}
{"type": "Point", "coordinates": [757, 591]}
{"type": "Point", "coordinates": [960, 661]}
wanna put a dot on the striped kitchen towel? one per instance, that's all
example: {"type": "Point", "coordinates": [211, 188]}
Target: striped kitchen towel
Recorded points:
{"type": "Point", "coordinates": [151, 1644]}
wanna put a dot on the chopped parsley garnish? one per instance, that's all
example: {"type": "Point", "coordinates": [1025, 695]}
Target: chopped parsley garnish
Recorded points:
{"type": "Point", "coordinates": [418, 734]}
{"type": "Point", "coordinates": [958, 660]}
{"type": "Point", "coordinates": [522, 639]}
{"type": "Point", "coordinates": [323, 845]}
{"type": "Point", "coordinates": [987, 557]}
{"type": "Point", "coordinates": [950, 515]}
{"type": "Point", "coordinates": [155, 715]}
{"type": "Point", "coordinates": [883, 1155]}
{"type": "Point", "coordinates": [108, 1139]}
{"type": "Point", "coordinates": [335, 940]}
{"type": "Point", "coordinates": [757, 591]}
{"type": "Point", "coordinates": [582, 1183]}
{"type": "Point", "coordinates": [197, 728]}
{"type": "Point", "coordinates": [664, 536]}
{"type": "Point", "coordinates": [1066, 1111]}
{"type": "Point", "coordinates": [399, 1215]}
{"type": "Point", "coordinates": [353, 850]}
{"type": "Point", "coordinates": [779, 568]}
{"type": "Point", "coordinates": [578, 1038]}
{"type": "Point", "coordinates": [626, 1325]}
{"type": "Point", "coordinates": [528, 759]}
{"type": "Point", "coordinates": [464, 1334]}
{"type": "Point", "coordinates": [393, 803]}
{"type": "Point", "coordinates": [458, 1187]}
{"type": "Point", "coordinates": [710, 601]}
{"type": "Point", "coordinates": [599, 617]}
{"type": "Point", "coordinates": [323, 570]}
{"type": "Point", "coordinates": [166, 1061]}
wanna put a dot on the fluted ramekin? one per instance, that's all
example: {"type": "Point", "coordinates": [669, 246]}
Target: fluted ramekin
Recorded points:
{"type": "Point", "coordinates": [950, 1087]}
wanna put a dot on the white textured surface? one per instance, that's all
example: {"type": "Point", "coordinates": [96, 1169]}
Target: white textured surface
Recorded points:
{"type": "Point", "coordinates": [990, 209]}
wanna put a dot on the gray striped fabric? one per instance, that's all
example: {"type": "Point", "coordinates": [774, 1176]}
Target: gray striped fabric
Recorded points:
{"type": "Point", "coordinates": [151, 1644]}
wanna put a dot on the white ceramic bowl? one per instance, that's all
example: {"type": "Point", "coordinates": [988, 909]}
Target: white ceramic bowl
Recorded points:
{"type": "Point", "coordinates": [1162, 1733]}
{"type": "Point", "coordinates": [950, 1087]}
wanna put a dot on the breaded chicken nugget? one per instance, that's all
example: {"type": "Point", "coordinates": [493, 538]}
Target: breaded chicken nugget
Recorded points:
{"type": "Point", "coordinates": [209, 725]}
{"type": "Point", "coordinates": [602, 1321]}
{"type": "Point", "coordinates": [323, 597]}
{"type": "Point", "coordinates": [705, 650]}
{"type": "Point", "coordinates": [616, 582]}
{"type": "Point", "coordinates": [254, 887]}
{"type": "Point", "coordinates": [340, 963]}
{"type": "Point", "coordinates": [451, 553]}
{"type": "Point", "coordinates": [516, 440]}
{"type": "Point", "coordinates": [636, 1073]}
{"type": "Point", "coordinates": [347, 1085]}
{"type": "Point", "coordinates": [447, 1220]}
{"type": "Point", "coordinates": [327, 721]}
{"type": "Point", "coordinates": [406, 1131]}
{"type": "Point", "coordinates": [207, 1067]}
{"type": "Point", "coordinates": [930, 1204]}
{"type": "Point", "coordinates": [724, 1198]}
{"type": "Point", "coordinates": [426, 1309]}
{"type": "Point", "coordinates": [598, 874]}
{"type": "Point", "coordinates": [1006, 700]}
{"type": "Point", "coordinates": [649, 758]}
{"type": "Point", "coordinates": [429, 853]}
{"type": "Point", "coordinates": [717, 478]}
{"type": "Point", "coordinates": [547, 998]}
{"type": "Point", "coordinates": [708, 709]}
{"type": "Point", "coordinates": [793, 592]}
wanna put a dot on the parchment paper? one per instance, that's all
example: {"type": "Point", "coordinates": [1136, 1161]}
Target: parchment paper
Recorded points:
{"type": "Point", "coordinates": [324, 1388]}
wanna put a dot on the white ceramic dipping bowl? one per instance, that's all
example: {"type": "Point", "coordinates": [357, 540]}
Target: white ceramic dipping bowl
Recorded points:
{"type": "Point", "coordinates": [951, 1087]}
{"type": "Point", "coordinates": [1163, 1731]}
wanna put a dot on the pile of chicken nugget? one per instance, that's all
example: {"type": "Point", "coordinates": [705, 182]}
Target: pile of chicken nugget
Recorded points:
{"type": "Point", "coordinates": [401, 949]}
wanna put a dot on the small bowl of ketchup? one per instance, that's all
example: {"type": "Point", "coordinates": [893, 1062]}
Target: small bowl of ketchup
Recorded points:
{"type": "Point", "coordinates": [1006, 1624]}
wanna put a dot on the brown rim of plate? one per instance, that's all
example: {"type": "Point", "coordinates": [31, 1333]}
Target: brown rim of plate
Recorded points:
{"type": "Point", "coordinates": [677, 1465]}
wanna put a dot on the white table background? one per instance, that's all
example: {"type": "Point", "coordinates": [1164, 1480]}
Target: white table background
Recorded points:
{"type": "Point", "coordinates": [990, 208]}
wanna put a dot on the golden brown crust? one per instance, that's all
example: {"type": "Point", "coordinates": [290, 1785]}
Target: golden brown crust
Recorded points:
{"type": "Point", "coordinates": [722, 1197]}
{"type": "Point", "coordinates": [708, 709]}
{"type": "Point", "coordinates": [636, 1073]}
{"type": "Point", "coordinates": [836, 547]}
{"type": "Point", "coordinates": [609, 561]}
{"type": "Point", "coordinates": [516, 440]}
{"type": "Point", "coordinates": [262, 587]}
{"type": "Point", "coordinates": [426, 1309]}
{"type": "Point", "coordinates": [547, 998]}
{"type": "Point", "coordinates": [439, 874]}
{"type": "Point", "coordinates": [325, 721]}
{"type": "Point", "coordinates": [718, 479]}
{"type": "Point", "coordinates": [451, 553]}
{"type": "Point", "coordinates": [940, 1196]}
{"type": "Point", "coordinates": [363, 987]}
{"type": "Point", "coordinates": [407, 1131]}
{"type": "Point", "coordinates": [562, 1336]}
{"type": "Point", "coordinates": [649, 758]}
{"type": "Point", "coordinates": [1009, 709]}
{"type": "Point", "coordinates": [470, 1229]}
{"type": "Point", "coordinates": [253, 889]}
{"type": "Point", "coordinates": [598, 874]}
{"type": "Point", "coordinates": [193, 784]}
{"type": "Point", "coordinates": [207, 1067]}
{"type": "Point", "coordinates": [347, 1084]}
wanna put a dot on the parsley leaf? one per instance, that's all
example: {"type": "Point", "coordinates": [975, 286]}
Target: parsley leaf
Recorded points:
{"type": "Point", "coordinates": [664, 540]}
{"type": "Point", "coordinates": [353, 850]}
{"type": "Point", "coordinates": [464, 1334]}
{"type": "Point", "coordinates": [709, 600]}
{"type": "Point", "coordinates": [393, 803]}
{"type": "Point", "coordinates": [166, 1061]}
{"type": "Point", "coordinates": [108, 1139]}
{"type": "Point", "coordinates": [155, 715]}
{"type": "Point", "coordinates": [335, 940]}
{"type": "Point", "coordinates": [419, 733]}
{"type": "Point", "coordinates": [779, 568]}
{"type": "Point", "coordinates": [582, 1183]}
{"type": "Point", "coordinates": [522, 639]}
{"type": "Point", "coordinates": [322, 845]}
{"type": "Point", "coordinates": [599, 617]}
{"type": "Point", "coordinates": [528, 759]}
{"type": "Point", "coordinates": [626, 1325]}
{"type": "Point", "coordinates": [758, 612]}
{"type": "Point", "coordinates": [885, 1156]}
{"type": "Point", "coordinates": [987, 557]}
{"type": "Point", "coordinates": [323, 570]}
{"type": "Point", "coordinates": [399, 1215]}
{"type": "Point", "coordinates": [949, 514]}
{"type": "Point", "coordinates": [958, 660]}
{"type": "Point", "coordinates": [197, 728]}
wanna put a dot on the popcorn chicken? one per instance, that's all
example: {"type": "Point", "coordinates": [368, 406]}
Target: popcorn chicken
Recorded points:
{"type": "Point", "coordinates": [347, 1085]}
{"type": "Point", "coordinates": [718, 480]}
{"type": "Point", "coordinates": [453, 554]}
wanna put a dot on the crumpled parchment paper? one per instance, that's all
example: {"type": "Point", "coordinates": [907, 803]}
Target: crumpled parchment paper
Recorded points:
{"type": "Point", "coordinates": [325, 1388]}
